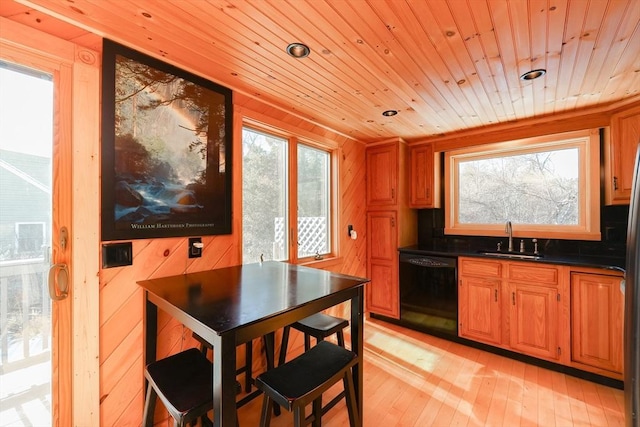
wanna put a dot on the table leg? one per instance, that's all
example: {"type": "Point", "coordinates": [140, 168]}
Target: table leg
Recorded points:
{"type": "Point", "coordinates": [150, 331]}
{"type": "Point", "coordinates": [357, 344]}
{"type": "Point", "coordinates": [224, 381]}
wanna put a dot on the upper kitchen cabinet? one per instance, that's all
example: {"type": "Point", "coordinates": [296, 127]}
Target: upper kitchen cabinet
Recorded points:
{"type": "Point", "coordinates": [424, 179]}
{"type": "Point", "coordinates": [622, 145]}
{"type": "Point", "coordinates": [383, 179]}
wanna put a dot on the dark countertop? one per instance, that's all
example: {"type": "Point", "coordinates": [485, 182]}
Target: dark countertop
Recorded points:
{"type": "Point", "coordinates": [594, 261]}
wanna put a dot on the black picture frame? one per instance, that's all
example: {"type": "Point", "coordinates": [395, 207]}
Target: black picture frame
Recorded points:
{"type": "Point", "coordinates": [166, 149]}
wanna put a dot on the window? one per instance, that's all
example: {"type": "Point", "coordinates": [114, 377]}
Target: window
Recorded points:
{"type": "Point", "coordinates": [547, 187]}
{"type": "Point", "coordinates": [313, 202]}
{"type": "Point", "coordinates": [279, 208]}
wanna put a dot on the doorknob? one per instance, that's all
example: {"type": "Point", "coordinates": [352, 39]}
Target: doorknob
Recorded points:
{"type": "Point", "coordinates": [58, 274]}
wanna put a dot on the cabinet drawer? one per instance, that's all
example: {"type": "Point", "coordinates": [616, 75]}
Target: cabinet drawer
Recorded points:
{"type": "Point", "coordinates": [534, 274]}
{"type": "Point", "coordinates": [479, 267]}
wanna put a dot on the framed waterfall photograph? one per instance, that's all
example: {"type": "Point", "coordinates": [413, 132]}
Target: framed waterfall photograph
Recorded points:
{"type": "Point", "coordinates": [166, 149]}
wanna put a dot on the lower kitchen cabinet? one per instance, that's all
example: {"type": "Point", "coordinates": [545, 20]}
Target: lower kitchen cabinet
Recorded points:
{"type": "Point", "coordinates": [383, 297]}
{"type": "Point", "coordinates": [513, 305]}
{"type": "Point", "coordinates": [567, 315]}
{"type": "Point", "coordinates": [597, 310]}
{"type": "Point", "coordinates": [383, 292]}
{"type": "Point", "coordinates": [479, 310]}
{"type": "Point", "coordinates": [533, 320]}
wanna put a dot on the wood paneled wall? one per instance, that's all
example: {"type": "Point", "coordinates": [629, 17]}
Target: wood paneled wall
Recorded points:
{"type": "Point", "coordinates": [121, 301]}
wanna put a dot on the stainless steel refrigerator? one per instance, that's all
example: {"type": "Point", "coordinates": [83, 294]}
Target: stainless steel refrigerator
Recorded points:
{"type": "Point", "coordinates": [632, 306]}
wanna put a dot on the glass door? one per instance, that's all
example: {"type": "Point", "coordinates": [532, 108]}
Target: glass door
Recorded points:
{"type": "Point", "coordinates": [26, 147]}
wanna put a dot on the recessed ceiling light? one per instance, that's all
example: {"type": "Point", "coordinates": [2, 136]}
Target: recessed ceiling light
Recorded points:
{"type": "Point", "coordinates": [298, 50]}
{"type": "Point", "coordinates": [389, 113]}
{"type": "Point", "coordinates": [533, 74]}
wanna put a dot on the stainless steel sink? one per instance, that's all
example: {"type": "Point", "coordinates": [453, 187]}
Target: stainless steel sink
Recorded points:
{"type": "Point", "coordinates": [511, 255]}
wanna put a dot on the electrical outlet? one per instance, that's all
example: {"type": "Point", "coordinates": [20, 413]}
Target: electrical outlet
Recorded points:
{"type": "Point", "coordinates": [195, 247]}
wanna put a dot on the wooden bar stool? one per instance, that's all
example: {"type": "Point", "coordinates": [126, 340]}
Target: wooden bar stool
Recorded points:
{"type": "Point", "coordinates": [183, 382]}
{"type": "Point", "coordinates": [304, 379]}
{"type": "Point", "coordinates": [319, 326]}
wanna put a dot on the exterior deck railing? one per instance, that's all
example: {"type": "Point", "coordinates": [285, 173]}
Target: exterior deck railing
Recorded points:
{"type": "Point", "coordinates": [25, 313]}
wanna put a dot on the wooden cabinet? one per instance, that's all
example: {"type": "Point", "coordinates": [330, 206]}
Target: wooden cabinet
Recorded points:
{"type": "Point", "coordinates": [390, 223]}
{"type": "Point", "coordinates": [533, 320]}
{"type": "Point", "coordinates": [383, 291]}
{"type": "Point", "coordinates": [479, 313]}
{"type": "Point", "coordinates": [534, 300]}
{"type": "Point", "coordinates": [624, 139]}
{"type": "Point", "coordinates": [597, 308]}
{"type": "Point", "coordinates": [514, 305]}
{"type": "Point", "coordinates": [382, 175]}
{"type": "Point", "coordinates": [567, 315]}
{"type": "Point", "coordinates": [424, 179]}
{"type": "Point", "coordinates": [479, 300]}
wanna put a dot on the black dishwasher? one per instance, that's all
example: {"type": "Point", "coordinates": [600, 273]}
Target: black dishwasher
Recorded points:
{"type": "Point", "coordinates": [429, 293]}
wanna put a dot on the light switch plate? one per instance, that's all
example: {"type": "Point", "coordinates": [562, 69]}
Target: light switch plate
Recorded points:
{"type": "Point", "coordinates": [195, 247]}
{"type": "Point", "coordinates": [117, 254]}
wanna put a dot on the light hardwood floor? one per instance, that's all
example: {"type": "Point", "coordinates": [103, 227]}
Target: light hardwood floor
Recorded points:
{"type": "Point", "coordinates": [414, 379]}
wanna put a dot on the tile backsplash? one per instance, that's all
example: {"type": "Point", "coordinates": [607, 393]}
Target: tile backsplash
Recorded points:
{"type": "Point", "coordinates": [613, 243]}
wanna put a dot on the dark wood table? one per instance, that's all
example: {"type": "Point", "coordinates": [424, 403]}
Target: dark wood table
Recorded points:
{"type": "Point", "coordinates": [230, 306]}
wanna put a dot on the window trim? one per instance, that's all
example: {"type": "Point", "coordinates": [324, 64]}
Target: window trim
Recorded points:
{"type": "Point", "coordinates": [588, 228]}
{"type": "Point", "coordinates": [293, 140]}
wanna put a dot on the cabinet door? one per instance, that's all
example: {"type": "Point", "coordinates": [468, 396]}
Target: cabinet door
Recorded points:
{"type": "Point", "coordinates": [533, 320]}
{"type": "Point", "coordinates": [382, 177]}
{"type": "Point", "coordinates": [382, 237]}
{"type": "Point", "coordinates": [479, 309]}
{"type": "Point", "coordinates": [383, 290]}
{"type": "Point", "coordinates": [383, 296]}
{"type": "Point", "coordinates": [625, 137]}
{"type": "Point", "coordinates": [597, 308]}
{"type": "Point", "coordinates": [422, 176]}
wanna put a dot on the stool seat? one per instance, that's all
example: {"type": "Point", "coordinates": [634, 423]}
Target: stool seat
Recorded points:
{"type": "Point", "coordinates": [184, 384]}
{"type": "Point", "coordinates": [319, 326]}
{"type": "Point", "coordinates": [304, 379]}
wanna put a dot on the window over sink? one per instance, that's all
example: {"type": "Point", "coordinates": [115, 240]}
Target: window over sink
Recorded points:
{"type": "Point", "coordinates": [547, 187]}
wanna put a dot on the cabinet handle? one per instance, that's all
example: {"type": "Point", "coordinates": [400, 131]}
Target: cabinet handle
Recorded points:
{"type": "Point", "coordinates": [513, 298]}
{"type": "Point", "coordinates": [428, 192]}
{"type": "Point", "coordinates": [615, 183]}
{"type": "Point", "coordinates": [393, 193]}
{"type": "Point", "coordinates": [495, 294]}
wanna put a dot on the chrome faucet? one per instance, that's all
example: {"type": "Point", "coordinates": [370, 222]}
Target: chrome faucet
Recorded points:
{"type": "Point", "coordinates": [509, 230]}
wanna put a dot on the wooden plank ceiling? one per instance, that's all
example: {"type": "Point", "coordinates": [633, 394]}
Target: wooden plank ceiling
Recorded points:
{"type": "Point", "coordinates": [444, 65]}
